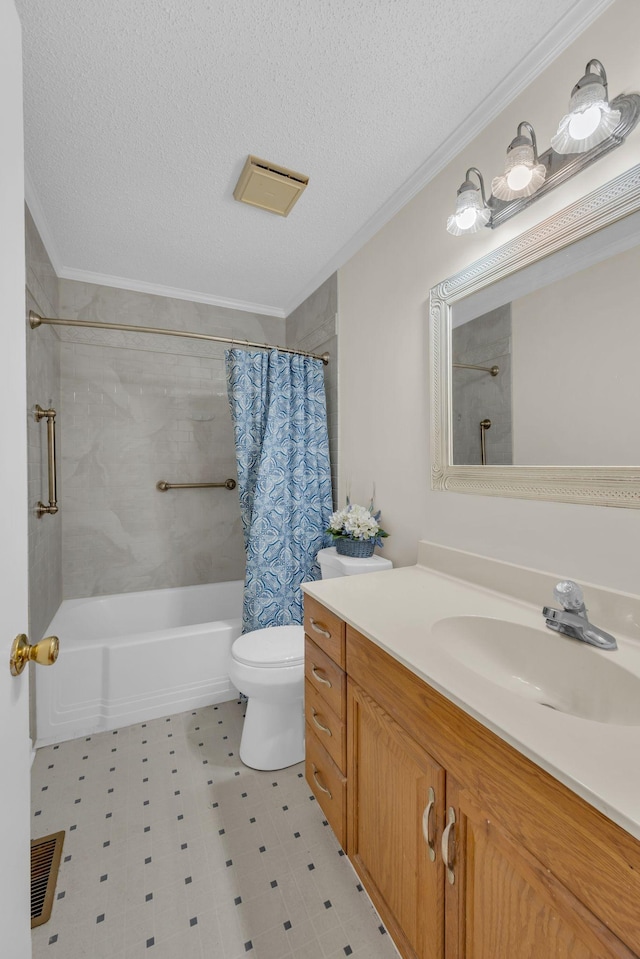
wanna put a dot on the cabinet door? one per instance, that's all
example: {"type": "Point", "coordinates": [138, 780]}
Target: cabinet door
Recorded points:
{"type": "Point", "coordinates": [501, 903]}
{"type": "Point", "coordinates": [395, 809]}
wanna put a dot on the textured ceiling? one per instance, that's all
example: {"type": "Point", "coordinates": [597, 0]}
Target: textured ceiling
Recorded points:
{"type": "Point", "coordinates": [139, 117]}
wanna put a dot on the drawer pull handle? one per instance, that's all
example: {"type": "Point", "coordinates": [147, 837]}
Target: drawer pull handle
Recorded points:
{"type": "Point", "coordinates": [447, 855]}
{"type": "Point", "coordinates": [325, 729]}
{"type": "Point", "coordinates": [321, 679]}
{"type": "Point", "coordinates": [320, 628]}
{"type": "Point", "coordinates": [426, 825]}
{"type": "Point", "coordinates": [318, 783]}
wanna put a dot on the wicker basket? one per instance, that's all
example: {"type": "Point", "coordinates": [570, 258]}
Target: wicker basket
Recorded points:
{"type": "Point", "coordinates": [362, 548]}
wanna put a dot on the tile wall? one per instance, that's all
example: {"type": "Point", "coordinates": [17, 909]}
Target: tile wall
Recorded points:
{"type": "Point", "coordinates": [43, 387]}
{"type": "Point", "coordinates": [484, 341]}
{"type": "Point", "coordinates": [134, 409]}
{"type": "Point", "coordinates": [139, 409]}
{"type": "Point", "coordinates": [313, 327]}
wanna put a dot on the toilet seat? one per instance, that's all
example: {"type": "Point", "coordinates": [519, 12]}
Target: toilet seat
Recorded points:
{"type": "Point", "coordinates": [270, 647]}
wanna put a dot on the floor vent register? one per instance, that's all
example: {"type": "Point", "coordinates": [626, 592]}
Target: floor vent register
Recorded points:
{"type": "Point", "coordinates": [45, 862]}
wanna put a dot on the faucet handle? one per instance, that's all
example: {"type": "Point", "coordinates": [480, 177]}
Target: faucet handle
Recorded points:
{"type": "Point", "coordinates": [569, 595]}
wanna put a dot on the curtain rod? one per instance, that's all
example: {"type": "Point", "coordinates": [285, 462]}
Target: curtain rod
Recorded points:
{"type": "Point", "coordinates": [35, 321]}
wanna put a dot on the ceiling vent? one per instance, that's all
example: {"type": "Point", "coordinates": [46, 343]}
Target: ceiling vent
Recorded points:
{"type": "Point", "coordinates": [269, 186]}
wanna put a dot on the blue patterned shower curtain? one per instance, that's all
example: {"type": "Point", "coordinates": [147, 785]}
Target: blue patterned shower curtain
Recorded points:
{"type": "Point", "coordinates": [279, 416]}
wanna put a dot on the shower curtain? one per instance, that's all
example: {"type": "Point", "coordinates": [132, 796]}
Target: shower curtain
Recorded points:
{"type": "Point", "coordinates": [279, 417]}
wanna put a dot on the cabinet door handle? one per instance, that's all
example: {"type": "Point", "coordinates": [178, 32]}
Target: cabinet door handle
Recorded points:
{"type": "Point", "coordinates": [320, 628]}
{"type": "Point", "coordinates": [447, 855]}
{"type": "Point", "coordinates": [316, 721]}
{"type": "Point", "coordinates": [426, 825]}
{"type": "Point", "coordinates": [321, 679]}
{"type": "Point", "coordinates": [318, 783]}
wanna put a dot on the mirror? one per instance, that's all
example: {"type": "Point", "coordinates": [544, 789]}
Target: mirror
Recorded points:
{"type": "Point", "coordinates": [536, 391]}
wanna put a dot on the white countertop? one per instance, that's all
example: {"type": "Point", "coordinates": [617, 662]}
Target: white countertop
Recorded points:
{"type": "Point", "coordinates": [397, 609]}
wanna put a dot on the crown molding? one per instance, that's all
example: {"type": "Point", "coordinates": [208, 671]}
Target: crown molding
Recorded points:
{"type": "Point", "coordinates": [566, 30]}
{"type": "Point", "coordinates": [126, 283]}
{"type": "Point", "coordinates": [176, 293]}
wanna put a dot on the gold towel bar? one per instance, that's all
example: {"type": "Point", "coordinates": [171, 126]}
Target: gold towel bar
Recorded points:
{"type": "Point", "coordinates": [163, 486]}
{"type": "Point", "coordinates": [50, 416]}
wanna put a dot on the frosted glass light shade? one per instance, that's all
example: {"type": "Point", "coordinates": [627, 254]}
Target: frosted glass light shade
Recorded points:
{"type": "Point", "coordinates": [590, 120]}
{"type": "Point", "coordinates": [522, 175]}
{"type": "Point", "coordinates": [471, 214]}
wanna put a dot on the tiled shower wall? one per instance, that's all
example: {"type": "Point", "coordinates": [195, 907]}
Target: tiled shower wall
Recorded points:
{"type": "Point", "coordinates": [43, 387]}
{"type": "Point", "coordinates": [139, 409]}
{"type": "Point", "coordinates": [313, 327]}
{"type": "Point", "coordinates": [484, 341]}
{"type": "Point", "coordinates": [134, 409]}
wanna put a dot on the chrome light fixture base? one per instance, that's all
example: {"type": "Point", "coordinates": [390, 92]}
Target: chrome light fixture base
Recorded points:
{"type": "Point", "coordinates": [561, 167]}
{"type": "Point", "coordinates": [522, 165]}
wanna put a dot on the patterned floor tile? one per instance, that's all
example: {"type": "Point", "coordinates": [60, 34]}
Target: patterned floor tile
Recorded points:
{"type": "Point", "coordinates": [173, 848]}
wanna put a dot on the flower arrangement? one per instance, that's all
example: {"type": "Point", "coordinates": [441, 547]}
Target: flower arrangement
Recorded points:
{"type": "Point", "coordinates": [356, 525]}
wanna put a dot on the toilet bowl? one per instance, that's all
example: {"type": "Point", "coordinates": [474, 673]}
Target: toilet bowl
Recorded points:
{"type": "Point", "coordinates": [267, 665]}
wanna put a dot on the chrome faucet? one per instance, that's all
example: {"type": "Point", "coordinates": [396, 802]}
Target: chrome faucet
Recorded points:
{"type": "Point", "coordinates": [572, 619]}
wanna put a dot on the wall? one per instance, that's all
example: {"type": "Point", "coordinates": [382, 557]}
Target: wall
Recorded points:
{"type": "Point", "coordinates": [596, 386]}
{"type": "Point", "coordinates": [137, 409]}
{"type": "Point", "coordinates": [384, 383]}
{"type": "Point", "coordinates": [312, 327]}
{"type": "Point", "coordinates": [43, 387]}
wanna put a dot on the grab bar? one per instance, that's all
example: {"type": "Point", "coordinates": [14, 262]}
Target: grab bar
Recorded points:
{"type": "Point", "coordinates": [50, 416]}
{"type": "Point", "coordinates": [494, 370]}
{"type": "Point", "coordinates": [163, 486]}
{"type": "Point", "coordinates": [484, 426]}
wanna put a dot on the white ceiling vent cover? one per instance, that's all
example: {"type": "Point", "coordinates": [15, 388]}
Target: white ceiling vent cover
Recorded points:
{"type": "Point", "coordinates": [269, 186]}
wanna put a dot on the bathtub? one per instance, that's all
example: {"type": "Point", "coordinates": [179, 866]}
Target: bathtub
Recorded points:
{"type": "Point", "coordinates": [136, 656]}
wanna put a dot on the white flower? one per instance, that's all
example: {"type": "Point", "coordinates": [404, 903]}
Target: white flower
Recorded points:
{"type": "Point", "coordinates": [354, 521]}
{"type": "Point", "coordinates": [336, 523]}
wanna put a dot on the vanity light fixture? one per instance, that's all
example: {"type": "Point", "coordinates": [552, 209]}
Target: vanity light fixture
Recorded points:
{"type": "Point", "coordinates": [592, 128]}
{"type": "Point", "coordinates": [523, 172]}
{"type": "Point", "coordinates": [591, 119]}
{"type": "Point", "coordinates": [472, 212]}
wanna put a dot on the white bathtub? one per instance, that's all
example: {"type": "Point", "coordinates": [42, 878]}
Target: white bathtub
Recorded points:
{"type": "Point", "coordinates": [136, 656]}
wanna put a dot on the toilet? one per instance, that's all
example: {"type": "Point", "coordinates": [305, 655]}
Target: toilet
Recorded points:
{"type": "Point", "coordinates": [267, 665]}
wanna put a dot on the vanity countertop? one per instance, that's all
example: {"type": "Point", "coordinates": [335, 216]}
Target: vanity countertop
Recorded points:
{"type": "Point", "coordinates": [397, 609]}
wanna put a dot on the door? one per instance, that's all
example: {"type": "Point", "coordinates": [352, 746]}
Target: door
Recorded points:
{"type": "Point", "coordinates": [15, 745]}
{"type": "Point", "coordinates": [501, 903]}
{"type": "Point", "coordinates": [396, 802]}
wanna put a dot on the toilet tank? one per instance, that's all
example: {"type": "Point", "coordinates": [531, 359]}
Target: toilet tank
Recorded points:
{"type": "Point", "coordinates": [332, 564]}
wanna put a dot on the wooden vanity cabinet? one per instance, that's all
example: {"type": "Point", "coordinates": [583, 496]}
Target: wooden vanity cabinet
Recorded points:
{"type": "Point", "coordinates": [537, 872]}
{"type": "Point", "coordinates": [325, 713]}
{"type": "Point", "coordinates": [434, 796]}
{"type": "Point", "coordinates": [505, 904]}
{"type": "Point", "coordinates": [396, 804]}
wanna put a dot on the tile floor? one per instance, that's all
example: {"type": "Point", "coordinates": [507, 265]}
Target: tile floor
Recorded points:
{"type": "Point", "coordinates": [175, 850]}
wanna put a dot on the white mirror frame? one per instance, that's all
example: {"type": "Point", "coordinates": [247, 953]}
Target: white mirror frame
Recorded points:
{"type": "Point", "coordinates": [594, 485]}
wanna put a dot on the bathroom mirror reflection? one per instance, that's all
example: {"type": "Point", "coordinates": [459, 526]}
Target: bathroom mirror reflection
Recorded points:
{"type": "Point", "coordinates": [565, 343]}
{"type": "Point", "coordinates": [534, 360]}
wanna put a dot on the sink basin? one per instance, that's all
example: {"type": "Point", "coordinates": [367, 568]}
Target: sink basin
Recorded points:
{"type": "Point", "coordinates": [543, 666]}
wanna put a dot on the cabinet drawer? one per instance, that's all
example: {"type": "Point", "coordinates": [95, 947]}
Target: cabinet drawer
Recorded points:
{"type": "Point", "coordinates": [326, 678]}
{"type": "Point", "coordinates": [327, 783]}
{"type": "Point", "coordinates": [325, 629]}
{"type": "Point", "coordinates": [329, 729]}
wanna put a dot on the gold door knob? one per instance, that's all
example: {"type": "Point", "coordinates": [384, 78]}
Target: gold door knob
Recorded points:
{"type": "Point", "coordinates": [44, 653]}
